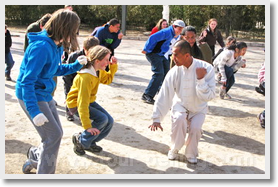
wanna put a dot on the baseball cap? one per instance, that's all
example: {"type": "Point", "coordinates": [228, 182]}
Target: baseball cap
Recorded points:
{"type": "Point", "coordinates": [179, 23]}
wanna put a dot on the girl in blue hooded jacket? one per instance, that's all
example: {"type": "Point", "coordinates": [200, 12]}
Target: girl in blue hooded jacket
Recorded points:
{"type": "Point", "coordinates": [41, 62]}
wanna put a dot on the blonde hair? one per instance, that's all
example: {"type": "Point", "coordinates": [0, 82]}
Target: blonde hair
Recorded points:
{"type": "Point", "coordinates": [64, 25]}
{"type": "Point", "coordinates": [96, 53]}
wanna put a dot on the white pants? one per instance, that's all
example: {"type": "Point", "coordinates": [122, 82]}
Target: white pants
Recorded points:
{"type": "Point", "coordinates": [180, 125]}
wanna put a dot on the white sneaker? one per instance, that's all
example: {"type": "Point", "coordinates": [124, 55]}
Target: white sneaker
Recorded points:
{"type": "Point", "coordinates": [172, 155]}
{"type": "Point", "coordinates": [192, 160]}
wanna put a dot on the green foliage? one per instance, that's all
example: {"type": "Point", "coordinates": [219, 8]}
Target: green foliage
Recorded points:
{"type": "Point", "coordinates": [145, 17]}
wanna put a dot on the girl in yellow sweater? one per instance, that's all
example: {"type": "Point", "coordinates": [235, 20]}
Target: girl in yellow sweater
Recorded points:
{"type": "Point", "coordinates": [82, 99]}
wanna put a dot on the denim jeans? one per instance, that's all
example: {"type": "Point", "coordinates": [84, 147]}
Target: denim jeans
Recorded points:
{"type": "Point", "coordinates": [102, 121]}
{"type": "Point", "coordinates": [230, 77]}
{"type": "Point", "coordinates": [160, 67]}
{"type": "Point", "coordinates": [9, 62]}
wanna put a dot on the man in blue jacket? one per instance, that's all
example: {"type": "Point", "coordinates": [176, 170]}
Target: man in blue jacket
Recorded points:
{"type": "Point", "coordinates": [109, 35]}
{"type": "Point", "coordinates": [155, 48]}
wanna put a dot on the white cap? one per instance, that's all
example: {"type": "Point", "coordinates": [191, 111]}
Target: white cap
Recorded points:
{"type": "Point", "coordinates": [179, 23]}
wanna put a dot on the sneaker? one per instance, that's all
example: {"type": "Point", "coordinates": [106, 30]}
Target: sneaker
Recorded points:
{"type": "Point", "coordinates": [94, 149]}
{"type": "Point", "coordinates": [27, 167]}
{"type": "Point", "coordinates": [148, 99]}
{"type": "Point", "coordinates": [8, 78]}
{"type": "Point", "coordinates": [69, 117]}
{"type": "Point", "coordinates": [222, 93]}
{"type": "Point", "coordinates": [227, 96]}
{"type": "Point", "coordinates": [192, 160]}
{"type": "Point", "coordinates": [261, 119]}
{"type": "Point", "coordinates": [78, 148]}
{"type": "Point", "coordinates": [172, 155]}
{"type": "Point", "coordinates": [29, 151]}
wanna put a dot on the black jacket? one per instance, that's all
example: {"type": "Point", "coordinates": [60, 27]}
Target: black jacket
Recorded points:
{"type": "Point", "coordinates": [68, 79]}
{"type": "Point", "coordinates": [212, 37]}
{"type": "Point", "coordinates": [8, 41]}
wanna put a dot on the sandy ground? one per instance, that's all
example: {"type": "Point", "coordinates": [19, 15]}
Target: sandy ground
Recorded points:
{"type": "Point", "coordinates": [233, 141]}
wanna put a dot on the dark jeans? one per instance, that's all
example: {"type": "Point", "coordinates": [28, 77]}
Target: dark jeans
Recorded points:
{"type": "Point", "coordinates": [160, 67]}
{"type": "Point", "coordinates": [230, 77]}
{"type": "Point", "coordinates": [102, 121]}
{"type": "Point", "coordinates": [9, 62]}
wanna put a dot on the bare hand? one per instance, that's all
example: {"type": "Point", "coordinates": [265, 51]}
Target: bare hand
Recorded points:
{"type": "Point", "coordinates": [113, 60]}
{"type": "Point", "coordinates": [205, 33]}
{"type": "Point", "coordinates": [201, 72]}
{"type": "Point", "coordinates": [154, 126]}
{"type": "Point", "coordinates": [120, 36]}
{"type": "Point", "coordinates": [144, 52]}
{"type": "Point", "coordinates": [93, 131]}
{"type": "Point", "coordinates": [243, 66]}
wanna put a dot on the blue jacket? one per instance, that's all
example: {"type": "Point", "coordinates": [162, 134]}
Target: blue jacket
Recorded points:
{"type": "Point", "coordinates": [159, 42]}
{"type": "Point", "coordinates": [106, 38]}
{"type": "Point", "coordinates": [41, 62]}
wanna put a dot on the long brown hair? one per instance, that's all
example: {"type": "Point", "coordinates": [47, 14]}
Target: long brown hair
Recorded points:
{"type": "Point", "coordinates": [64, 25]}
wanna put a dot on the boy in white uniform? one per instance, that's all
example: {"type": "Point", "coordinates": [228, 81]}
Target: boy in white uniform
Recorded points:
{"type": "Point", "coordinates": [186, 90]}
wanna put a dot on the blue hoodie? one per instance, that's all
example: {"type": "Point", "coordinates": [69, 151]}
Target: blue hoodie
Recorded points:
{"type": "Point", "coordinates": [106, 38]}
{"type": "Point", "coordinates": [159, 42]}
{"type": "Point", "coordinates": [41, 62]}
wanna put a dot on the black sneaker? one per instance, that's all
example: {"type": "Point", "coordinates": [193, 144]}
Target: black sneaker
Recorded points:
{"type": "Point", "coordinates": [94, 149]}
{"type": "Point", "coordinates": [8, 78]}
{"type": "Point", "coordinates": [78, 148]}
{"type": "Point", "coordinates": [148, 99]}
{"type": "Point", "coordinates": [69, 117]}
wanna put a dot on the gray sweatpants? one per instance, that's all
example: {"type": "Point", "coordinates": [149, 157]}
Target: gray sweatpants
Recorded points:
{"type": "Point", "coordinates": [45, 156]}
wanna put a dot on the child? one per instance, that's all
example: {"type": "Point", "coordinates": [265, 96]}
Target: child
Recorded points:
{"type": "Point", "coordinates": [91, 41]}
{"type": "Point", "coordinates": [41, 62]}
{"type": "Point", "coordinates": [228, 62]}
{"type": "Point", "coordinates": [82, 98]}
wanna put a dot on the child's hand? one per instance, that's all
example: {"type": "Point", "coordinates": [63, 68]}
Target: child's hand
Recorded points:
{"type": "Point", "coordinates": [113, 60]}
{"type": "Point", "coordinates": [93, 131]}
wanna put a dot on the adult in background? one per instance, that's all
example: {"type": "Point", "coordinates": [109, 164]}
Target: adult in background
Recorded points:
{"type": "Point", "coordinates": [109, 36]}
{"type": "Point", "coordinates": [187, 88]}
{"type": "Point", "coordinates": [155, 48]}
{"type": "Point", "coordinates": [189, 34]}
{"type": "Point", "coordinates": [35, 27]}
{"type": "Point", "coordinates": [8, 55]}
{"type": "Point", "coordinates": [161, 24]}
{"type": "Point", "coordinates": [41, 62]}
{"type": "Point", "coordinates": [211, 34]}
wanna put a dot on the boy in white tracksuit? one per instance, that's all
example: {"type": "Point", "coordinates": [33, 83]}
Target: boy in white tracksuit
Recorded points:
{"type": "Point", "coordinates": [186, 90]}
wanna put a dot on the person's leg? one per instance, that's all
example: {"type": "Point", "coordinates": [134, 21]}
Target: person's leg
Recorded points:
{"type": "Point", "coordinates": [230, 77]}
{"type": "Point", "coordinates": [51, 134]}
{"type": "Point", "coordinates": [194, 135]}
{"type": "Point", "coordinates": [178, 131]}
{"type": "Point", "coordinates": [158, 73]}
{"type": "Point", "coordinates": [9, 65]}
{"type": "Point", "coordinates": [101, 120]}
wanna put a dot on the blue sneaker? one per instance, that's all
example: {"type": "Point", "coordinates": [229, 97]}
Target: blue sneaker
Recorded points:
{"type": "Point", "coordinates": [27, 167]}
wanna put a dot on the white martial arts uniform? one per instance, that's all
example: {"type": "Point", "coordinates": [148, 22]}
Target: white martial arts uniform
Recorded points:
{"type": "Point", "coordinates": [187, 97]}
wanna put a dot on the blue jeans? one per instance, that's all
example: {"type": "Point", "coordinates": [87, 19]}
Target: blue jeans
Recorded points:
{"type": "Point", "coordinates": [102, 121]}
{"type": "Point", "coordinates": [230, 77]}
{"type": "Point", "coordinates": [160, 67]}
{"type": "Point", "coordinates": [9, 62]}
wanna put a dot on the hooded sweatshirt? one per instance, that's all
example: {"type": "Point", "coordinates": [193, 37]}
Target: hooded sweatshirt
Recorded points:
{"type": "Point", "coordinates": [41, 62]}
{"type": "Point", "coordinates": [108, 39]}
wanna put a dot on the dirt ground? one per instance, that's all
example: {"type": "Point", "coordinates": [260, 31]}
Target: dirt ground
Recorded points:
{"type": "Point", "coordinates": [233, 141]}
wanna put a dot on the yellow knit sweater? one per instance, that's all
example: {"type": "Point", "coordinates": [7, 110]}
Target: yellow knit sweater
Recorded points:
{"type": "Point", "coordinates": [84, 90]}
